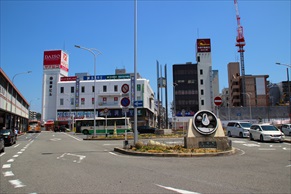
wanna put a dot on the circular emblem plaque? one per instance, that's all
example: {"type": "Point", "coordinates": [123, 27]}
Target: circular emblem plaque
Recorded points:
{"type": "Point", "coordinates": [205, 122]}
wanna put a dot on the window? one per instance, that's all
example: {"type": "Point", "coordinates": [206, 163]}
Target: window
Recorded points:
{"type": "Point", "coordinates": [198, 58]}
{"type": "Point", "coordinates": [61, 101]}
{"type": "Point", "coordinates": [82, 101]}
{"type": "Point", "coordinates": [72, 101]}
{"type": "Point", "coordinates": [62, 90]}
{"type": "Point", "coordinates": [138, 87]}
{"type": "Point", "coordinates": [72, 89]}
{"type": "Point", "coordinates": [104, 88]}
{"type": "Point", "coordinates": [104, 100]}
{"type": "Point", "coordinates": [115, 88]}
{"type": "Point", "coordinates": [93, 100]}
{"type": "Point", "coordinates": [202, 92]}
{"type": "Point", "coordinates": [83, 89]}
{"type": "Point", "coordinates": [201, 71]}
{"type": "Point", "coordinates": [201, 82]}
{"type": "Point", "coordinates": [202, 102]}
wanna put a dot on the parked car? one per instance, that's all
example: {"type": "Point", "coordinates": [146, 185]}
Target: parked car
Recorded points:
{"type": "Point", "coordinates": [2, 144]}
{"type": "Point", "coordinates": [238, 128]}
{"type": "Point", "coordinates": [9, 136]}
{"type": "Point", "coordinates": [146, 129]}
{"type": "Point", "coordinates": [266, 132]}
{"type": "Point", "coordinates": [286, 129]}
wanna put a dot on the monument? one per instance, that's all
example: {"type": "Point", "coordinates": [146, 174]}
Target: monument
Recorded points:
{"type": "Point", "coordinates": [205, 131]}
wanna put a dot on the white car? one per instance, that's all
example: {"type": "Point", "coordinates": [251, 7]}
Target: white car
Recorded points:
{"type": "Point", "coordinates": [266, 132]}
{"type": "Point", "coordinates": [286, 129]}
{"type": "Point", "coordinates": [238, 128]}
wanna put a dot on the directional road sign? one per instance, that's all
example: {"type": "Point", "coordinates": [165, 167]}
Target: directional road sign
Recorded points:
{"type": "Point", "coordinates": [138, 103]}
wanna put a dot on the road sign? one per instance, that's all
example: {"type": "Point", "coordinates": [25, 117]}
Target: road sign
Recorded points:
{"type": "Point", "coordinates": [217, 101]}
{"type": "Point", "coordinates": [138, 103]}
{"type": "Point", "coordinates": [125, 88]}
{"type": "Point", "coordinates": [125, 102]}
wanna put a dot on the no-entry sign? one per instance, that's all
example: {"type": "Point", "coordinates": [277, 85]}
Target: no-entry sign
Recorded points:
{"type": "Point", "coordinates": [217, 101]}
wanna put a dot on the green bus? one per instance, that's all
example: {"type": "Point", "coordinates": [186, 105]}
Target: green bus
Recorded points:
{"type": "Point", "coordinates": [117, 125]}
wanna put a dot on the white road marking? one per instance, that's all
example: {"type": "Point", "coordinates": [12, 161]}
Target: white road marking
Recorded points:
{"type": "Point", "coordinates": [286, 148]}
{"type": "Point", "coordinates": [2, 154]}
{"type": "Point", "coordinates": [288, 165]}
{"type": "Point", "coordinates": [15, 156]}
{"type": "Point", "coordinates": [6, 166]}
{"type": "Point", "coordinates": [22, 150]}
{"type": "Point", "coordinates": [16, 145]}
{"type": "Point", "coordinates": [243, 152]}
{"type": "Point", "coordinates": [113, 153]}
{"type": "Point", "coordinates": [236, 141]}
{"type": "Point", "coordinates": [56, 139]}
{"type": "Point", "coordinates": [19, 152]}
{"type": "Point", "coordinates": [251, 145]}
{"type": "Point", "coordinates": [267, 149]}
{"type": "Point", "coordinates": [177, 190]}
{"type": "Point", "coordinates": [10, 160]}
{"type": "Point", "coordinates": [8, 173]}
{"type": "Point", "coordinates": [74, 137]}
{"type": "Point", "coordinates": [17, 183]}
{"type": "Point", "coordinates": [74, 155]}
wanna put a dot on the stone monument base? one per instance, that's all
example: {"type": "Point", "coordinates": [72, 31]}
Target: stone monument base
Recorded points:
{"type": "Point", "coordinates": [219, 143]}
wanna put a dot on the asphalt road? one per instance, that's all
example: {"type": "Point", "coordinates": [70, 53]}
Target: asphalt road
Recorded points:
{"type": "Point", "coordinates": [63, 163]}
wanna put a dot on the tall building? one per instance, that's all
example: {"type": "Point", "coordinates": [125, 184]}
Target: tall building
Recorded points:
{"type": "Point", "coordinates": [194, 84]}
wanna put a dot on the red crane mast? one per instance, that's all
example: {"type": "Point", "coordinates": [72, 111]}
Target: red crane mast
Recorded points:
{"type": "Point", "coordinates": [240, 43]}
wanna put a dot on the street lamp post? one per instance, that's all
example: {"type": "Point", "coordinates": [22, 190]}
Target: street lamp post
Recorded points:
{"type": "Point", "coordinates": [249, 105]}
{"type": "Point", "coordinates": [12, 94]}
{"type": "Point", "coordinates": [288, 83]}
{"type": "Point", "coordinates": [91, 50]}
{"type": "Point", "coordinates": [174, 99]}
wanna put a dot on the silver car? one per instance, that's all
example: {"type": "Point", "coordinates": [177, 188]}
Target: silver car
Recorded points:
{"type": "Point", "coordinates": [266, 132]}
{"type": "Point", "coordinates": [286, 129]}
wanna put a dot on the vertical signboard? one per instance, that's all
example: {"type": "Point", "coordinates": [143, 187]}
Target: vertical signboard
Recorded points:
{"type": "Point", "coordinates": [77, 92]}
{"type": "Point", "coordinates": [132, 88]}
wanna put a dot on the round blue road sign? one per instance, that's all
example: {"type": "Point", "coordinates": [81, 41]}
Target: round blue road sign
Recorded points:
{"type": "Point", "coordinates": [125, 102]}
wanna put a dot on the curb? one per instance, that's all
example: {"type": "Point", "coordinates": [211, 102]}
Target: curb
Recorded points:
{"type": "Point", "coordinates": [134, 153]}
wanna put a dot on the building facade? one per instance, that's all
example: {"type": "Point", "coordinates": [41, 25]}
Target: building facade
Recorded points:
{"type": "Point", "coordinates": [66, 97]}
{"type": "Point", "coordinates": [257, 93]}
{"type": "Point", "coordinates": [14, 108]}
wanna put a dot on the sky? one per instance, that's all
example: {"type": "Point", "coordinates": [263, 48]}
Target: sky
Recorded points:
{"type": "Point", "coordinates": [167, 31]}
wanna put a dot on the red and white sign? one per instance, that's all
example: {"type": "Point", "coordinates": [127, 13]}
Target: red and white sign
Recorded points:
{"type": "Point", "coordinates": [217, 101]}
{"type": "Point", "coordinates": [125, 88]}
{"type": "Point", "coordinates": [56, 59]}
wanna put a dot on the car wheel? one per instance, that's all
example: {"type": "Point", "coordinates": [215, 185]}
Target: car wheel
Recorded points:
{"type": "Point", "coordinates": [251, 137]}
{"type": "Point", "coordinates": [229, 134]}
{"type": "Point", "coordinates": [240, 134]}
{"type": "Point", "coordinates": [261, 138]}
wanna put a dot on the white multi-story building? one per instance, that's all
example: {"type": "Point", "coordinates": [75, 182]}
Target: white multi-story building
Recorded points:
{"type": "Point", "coordinates": [67, 96]}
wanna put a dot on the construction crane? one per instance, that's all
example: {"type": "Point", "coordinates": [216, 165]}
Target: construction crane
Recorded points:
{"type": "Point", "coordinates": [240, 43]}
